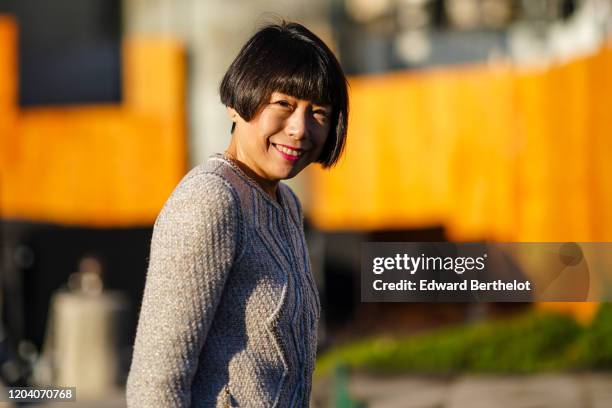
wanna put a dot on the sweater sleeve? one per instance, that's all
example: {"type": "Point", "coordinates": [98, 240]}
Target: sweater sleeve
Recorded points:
{"type": "Point", "coordinates": [192, 251]}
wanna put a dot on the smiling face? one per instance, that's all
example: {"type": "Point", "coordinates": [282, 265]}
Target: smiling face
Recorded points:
{"type": "Point", "coordinates": [284, 137]}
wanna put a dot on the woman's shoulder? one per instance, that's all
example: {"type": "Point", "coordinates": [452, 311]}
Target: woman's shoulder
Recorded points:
{"type": "Point", "coordinates": [203, 189]}
{"type": "Point", "coordinates": [202, 200]}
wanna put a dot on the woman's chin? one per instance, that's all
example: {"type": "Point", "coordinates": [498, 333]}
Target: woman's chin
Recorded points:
{"type": "Point", "coordinates": [284, 174]}
{"type": "Point", "coordinates": [284, 170]}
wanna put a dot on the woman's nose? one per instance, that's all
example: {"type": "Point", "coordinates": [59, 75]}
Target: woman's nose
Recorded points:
{"type": "Point", "coordinates": [297, 127]}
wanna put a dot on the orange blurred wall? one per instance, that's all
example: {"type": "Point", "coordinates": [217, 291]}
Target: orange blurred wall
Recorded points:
{"type": "Point", "coordinates": [104, 165]}
{"type": "Point", "coordinates": [490, 152]}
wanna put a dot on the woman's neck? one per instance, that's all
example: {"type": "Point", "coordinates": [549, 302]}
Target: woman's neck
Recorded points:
{"type": "Point", "coordinates": [269, 186]}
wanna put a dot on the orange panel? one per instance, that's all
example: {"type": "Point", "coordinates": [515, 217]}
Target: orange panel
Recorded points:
{"type": "Point", "coordinates": [489, 152]}
{"type": "Point", "coordinates": [154, 77]}
{"type": "Point", "coordinates": [8, 64]}
{"type": "Point", "coordinates": [483, 163]}
{"type": "Point", "coordinates": [97, 165]}
{"type": "Point", "coordinates": [395, 168]}
{"type": "Point", "coordinates": [8, 90]}
{"type": "Point", "coordinates": [555, 189]}
{"type": "Point", "coordinates": [107, 170]}
{"type": "Point", "coordinates": [599, 145]}
{"type": "Point", "coordinates": [567, 195]}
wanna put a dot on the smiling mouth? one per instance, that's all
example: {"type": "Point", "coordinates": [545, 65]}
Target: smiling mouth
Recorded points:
{"type": "Point", "coordinates": [289, 153]}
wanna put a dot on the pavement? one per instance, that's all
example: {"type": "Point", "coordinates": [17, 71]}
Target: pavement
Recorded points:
{"type": "Point", "coordinates": [587, 390]}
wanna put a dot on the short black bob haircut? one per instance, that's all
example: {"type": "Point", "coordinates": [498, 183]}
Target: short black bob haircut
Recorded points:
{"type": "Point", "coordinates": [288, 58]}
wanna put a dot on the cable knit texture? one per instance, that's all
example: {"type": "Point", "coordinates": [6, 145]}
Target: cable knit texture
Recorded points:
{"type": "Point", "coordinates": [230, 308]}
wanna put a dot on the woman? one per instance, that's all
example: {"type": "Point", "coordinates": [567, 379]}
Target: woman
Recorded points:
{"type": "Point", "coordinates": [230, 309]}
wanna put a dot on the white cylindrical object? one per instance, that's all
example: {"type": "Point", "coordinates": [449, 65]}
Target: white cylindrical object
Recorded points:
{"type": "Point", "coordinates": [87, 335]}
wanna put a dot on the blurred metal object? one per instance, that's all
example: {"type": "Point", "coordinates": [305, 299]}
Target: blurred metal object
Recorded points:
{"type": "Point", "coordinates": [413, 13]}
{"type": "Point", "coordinates": [550, 10]}
{"type": "Point", "coordinates": [85, 335]}
{"type": "Point", "coordinates": [463, 14]}
{"type": "Point", "coordinates": [88, 280]}
{"type": "Point", "coordinates": [86, 348]}
{"type": "Point", "coordinates": [367, 10]}
{"type": "Point", "coordinates": [496, 14]}
{"type": "Point", "coordinates": [559, 30]}
{"type": "Point", "coordinates": [413, 46]}
{"type": "Point", "coordinates": [472, 14]}
{"type": "Point", "coordinates": [534, 9]}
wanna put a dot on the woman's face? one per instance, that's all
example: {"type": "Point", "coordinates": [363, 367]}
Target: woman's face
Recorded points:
{"type": "Point", "coordinates": [283, 138]}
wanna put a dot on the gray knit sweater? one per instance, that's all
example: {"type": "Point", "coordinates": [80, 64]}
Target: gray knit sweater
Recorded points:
{"type": "Point", "coordinates": [230, 308]}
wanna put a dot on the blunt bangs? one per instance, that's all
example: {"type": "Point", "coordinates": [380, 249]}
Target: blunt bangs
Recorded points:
{"type": "Point", "coordinates": [299, 75]}
{"type": "Point", "coordinates": [288, 58]}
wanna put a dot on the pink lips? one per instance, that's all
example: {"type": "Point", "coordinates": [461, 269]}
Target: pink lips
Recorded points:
{"type": "Point", "coordinates": [285, 155]}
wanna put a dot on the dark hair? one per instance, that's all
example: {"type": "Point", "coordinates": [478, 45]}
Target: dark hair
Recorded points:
{"type": "Point", "coordinates": [288, 58]}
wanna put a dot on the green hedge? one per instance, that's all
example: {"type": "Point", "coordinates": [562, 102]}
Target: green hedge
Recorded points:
{"type": "Point", "coordinates": [594, 349]}
{"type": "Point", "coordinates": [532, 342]}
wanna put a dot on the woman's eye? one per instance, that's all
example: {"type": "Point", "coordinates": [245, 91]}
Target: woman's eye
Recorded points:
{"type": "Point", "coordinates": [321, 113]}
{"type": "Point", "coordinates": [284, 104]}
